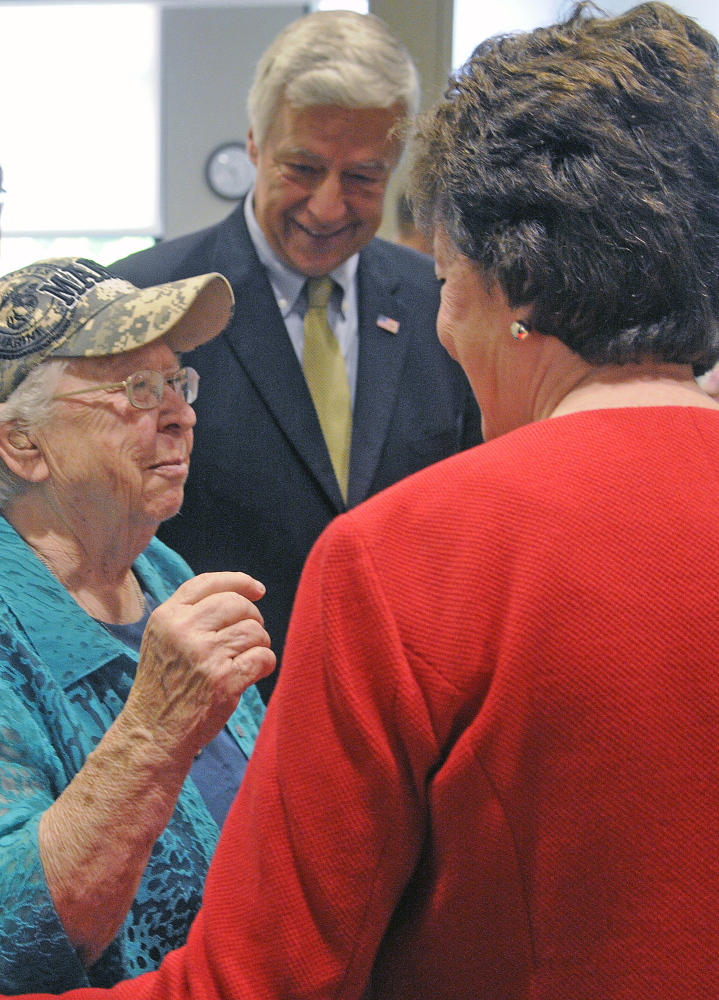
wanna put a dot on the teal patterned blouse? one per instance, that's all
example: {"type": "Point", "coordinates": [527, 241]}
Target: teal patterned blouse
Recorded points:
{"type": "Point", "coordinates": [63, 680]}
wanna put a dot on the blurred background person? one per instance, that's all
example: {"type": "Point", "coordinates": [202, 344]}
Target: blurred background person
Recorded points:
{"type": "Point", "coordinates": [329, 384]}
{"type": "Point", "coordinates": [104, 844]}
{"type": "Point", "coordinates": [407, 233]}
{"type": "Point", "coordinates": [709, 381]}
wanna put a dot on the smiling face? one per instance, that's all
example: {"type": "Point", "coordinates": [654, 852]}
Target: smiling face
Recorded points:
{"type": "Point", "coordinates": [321, 178]}
{"type": "Point", "coordinates": [107, 461]}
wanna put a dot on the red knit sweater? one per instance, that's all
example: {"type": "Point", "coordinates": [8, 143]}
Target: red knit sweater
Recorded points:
{"type": "Point", "coordinates": [491, 765]}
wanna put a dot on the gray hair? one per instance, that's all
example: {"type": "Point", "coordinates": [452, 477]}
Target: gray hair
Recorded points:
{"type": "Point", "coordinates": [333, 57]}
{"type": "Point", "coordinates": [28, 407]}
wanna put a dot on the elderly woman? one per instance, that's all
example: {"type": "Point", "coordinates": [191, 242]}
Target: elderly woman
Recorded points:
{"type": "Point", "coordinates": [495, 774]}
{"type": "Point", "coordinates": [104, 844]}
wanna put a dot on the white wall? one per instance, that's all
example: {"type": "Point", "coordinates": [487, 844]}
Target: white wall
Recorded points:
{"type": "Point", "coordinates": [209, 59]}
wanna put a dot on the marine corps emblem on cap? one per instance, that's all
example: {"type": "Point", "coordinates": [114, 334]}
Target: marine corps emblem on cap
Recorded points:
{"type": "Point", "coordinates": [70, 307]}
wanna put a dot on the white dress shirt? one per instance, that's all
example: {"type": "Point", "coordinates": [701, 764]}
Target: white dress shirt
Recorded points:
{"type": "Point", "coordinates": [288, 288]}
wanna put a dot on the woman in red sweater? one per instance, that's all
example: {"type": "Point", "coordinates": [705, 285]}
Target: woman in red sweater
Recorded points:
{"type": "Point", "coordinates": [490, 768]}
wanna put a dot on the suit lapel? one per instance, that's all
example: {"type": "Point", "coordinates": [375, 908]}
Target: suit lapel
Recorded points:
{"type": "Point", "coordinates": [260, 341]}
{"type": "Point", "coordinates": [381, 360]}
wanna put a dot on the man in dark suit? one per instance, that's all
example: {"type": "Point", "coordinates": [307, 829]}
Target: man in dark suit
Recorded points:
{"type": "Point", "coordinates": [312, 400]}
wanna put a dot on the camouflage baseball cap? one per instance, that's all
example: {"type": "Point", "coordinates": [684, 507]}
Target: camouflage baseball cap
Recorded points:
{"type": "Point", "coordinates": [70, 307]}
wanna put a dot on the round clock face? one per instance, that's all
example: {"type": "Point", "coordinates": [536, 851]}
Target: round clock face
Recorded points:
{"type": "Point", "coordinates": [229, 171]}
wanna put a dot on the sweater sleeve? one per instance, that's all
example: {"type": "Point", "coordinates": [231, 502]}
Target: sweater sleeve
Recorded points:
{"type": "Point", "coordinates": [34, 949]}
{"type": "Point", "coordinates": [331, 818]}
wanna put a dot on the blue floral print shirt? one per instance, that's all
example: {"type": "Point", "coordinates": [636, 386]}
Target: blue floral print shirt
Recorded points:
{"type": "Point", "coordinates": [63, 680]}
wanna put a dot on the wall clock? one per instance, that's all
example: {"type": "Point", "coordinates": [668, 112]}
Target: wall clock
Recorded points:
{"type": "Point", "coordinates": [229, 171]}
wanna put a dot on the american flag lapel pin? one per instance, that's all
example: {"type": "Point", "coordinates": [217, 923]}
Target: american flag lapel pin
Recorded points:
{"type": "Point", "coordinates": [388, 324]}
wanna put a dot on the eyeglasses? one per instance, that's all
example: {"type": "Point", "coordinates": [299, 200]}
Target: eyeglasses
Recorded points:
{"type": "Point", "coordinates": [145, 389]}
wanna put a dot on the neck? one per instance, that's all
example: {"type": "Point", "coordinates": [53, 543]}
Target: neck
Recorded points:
{"type": "Point", "coordinates": [546, 379]}
{"type": "Point", "coordinates": [96, 571]}
{"type": "Point", "coordinates": [645, 384]}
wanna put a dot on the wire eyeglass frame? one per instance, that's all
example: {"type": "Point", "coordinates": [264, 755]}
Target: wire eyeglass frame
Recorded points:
{"type": "Point", "coordinates": [145, 389]}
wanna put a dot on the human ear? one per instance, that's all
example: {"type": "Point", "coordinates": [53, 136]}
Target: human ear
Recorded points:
{"type": "Point", "coordinates": [21, 453]}
{"type": "Point", "coordinates": [252, 149]}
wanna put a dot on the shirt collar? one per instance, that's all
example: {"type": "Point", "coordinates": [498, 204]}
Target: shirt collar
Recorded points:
{"type": "Point", "coordinates": [287, 284]}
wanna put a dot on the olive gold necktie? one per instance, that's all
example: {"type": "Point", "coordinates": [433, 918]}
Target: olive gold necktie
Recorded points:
{"type": "Point", "coordinates": [326, 376]}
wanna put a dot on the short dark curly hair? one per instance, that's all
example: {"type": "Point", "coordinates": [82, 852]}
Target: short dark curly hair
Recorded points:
{"type": "Point", "coordinates": [578, 166]}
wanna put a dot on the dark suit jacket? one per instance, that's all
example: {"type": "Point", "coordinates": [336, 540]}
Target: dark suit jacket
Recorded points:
{"type": "Point", "coordinates": [261, 486]}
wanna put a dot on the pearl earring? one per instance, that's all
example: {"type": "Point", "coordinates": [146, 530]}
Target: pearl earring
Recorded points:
{"type": "Point", "coordinates": [519, 330]}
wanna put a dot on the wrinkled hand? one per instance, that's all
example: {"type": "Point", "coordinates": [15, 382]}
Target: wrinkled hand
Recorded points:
{"type": "Point", "coordinates": [200, 650]}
